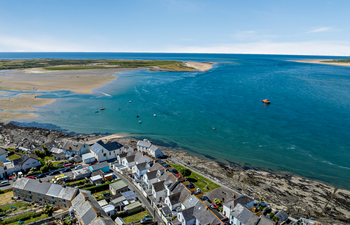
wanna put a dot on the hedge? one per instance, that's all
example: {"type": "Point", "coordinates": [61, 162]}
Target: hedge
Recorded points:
{"type": "Point", "coordinates": [98, 188]}
{"type": "Point", "coordinates": [22, 217]}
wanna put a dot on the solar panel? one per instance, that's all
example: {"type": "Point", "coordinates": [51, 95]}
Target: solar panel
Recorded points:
{"type": "Point", "coordinates": [129, 195]}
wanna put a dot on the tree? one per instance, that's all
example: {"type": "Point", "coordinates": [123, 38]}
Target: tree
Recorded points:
{"type": "Point", "coordinates": [217, 202]}
{"type": "Point", "coordinates": [185, 172]}
{"type": "Point", "coordinates": [48, 210]}
{"type": "Point", "coordinates": [44, 168]}
{"type": "Point", "coordinates": [39, 153]}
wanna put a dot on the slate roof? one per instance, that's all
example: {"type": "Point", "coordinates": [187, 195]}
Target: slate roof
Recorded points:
{"type": "Point", "coordinates": [156, 167]}
{"type": "Point", "coordinates": [73, 146]}
{"type": "Point", "coordinates": [100, 145]}
{"type": "Point", "coordinates": [25, 157]}
{"type": "Point", "coordinates": [68, 193]}
{"type": "Point", "coordinates": [158, 186]}
{"type": "Point", "coordinates": [54, 190]}
{"type": "Point", "coordinates": [190, 201]}
{"type": "Point", "coordinates": [144, 158]}
{"type": "Point", "coordinates": [170, 181]}
{"type": "Point", "coordinates": [37, 187]}
{"type": "Point", "coordinates": [243, 214]}
{"type": "Point", "coordinates": [151, 175]}
{"type": "Point", "coordinates": [87, 156]}
{"type": "Point", "coordinates": [174, 198]}
{"type": "Point", "coordinates": [243, 200]}
{"type": "Point", "coordinates": [20, 183]}
{"type": "Point", "coordinates": [166, 209]}
{"type": "Point", "coordinates": [130, 158]}
{"type": "Point", "coordinates": [138, 155]}
{"type": "Point", "coordinates": [204, 215]}
{"type": "Point", "coordinates": [123, 155]}
{"type": "Point", "coordinates": [2, 151]}
{"type": "Point", "coordinates": [187, 214]}
{"type": "Point", "coordinates": [153, 148]}
{"type": "Point", "coordinates": [141, 166]}
{"type": "Point", "coordinates": [282, 217]}
{"type": "Point", "coordinates": [56, 150]}
{"type": "Point", "coordinates": [264, 221]}
{"type": "Point", "coordinates": [144, 144]}
{"type": "Point", "coordinates": [99, 166]}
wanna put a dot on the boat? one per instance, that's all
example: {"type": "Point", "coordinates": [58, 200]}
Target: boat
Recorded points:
{"type": "Point", "coordinates": [154, 115]}
{"type": "Point", "coordinates": [137, 116]}
{"type": "Point", "coordinates": [102, 108]}
{"type": "Point", "coordinates": [214, 128]}
{"type": "Point", "coordinates": [266, 101]}
{"type": "Point", "coordinates": [129, 101]}
{"type": "Point", "coordinates": [140, 122]}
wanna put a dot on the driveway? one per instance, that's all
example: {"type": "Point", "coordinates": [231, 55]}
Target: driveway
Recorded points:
{"type": "Point", "coordinates": [6, 187]}
{"type": "Point", "coordinates": [142, 198]}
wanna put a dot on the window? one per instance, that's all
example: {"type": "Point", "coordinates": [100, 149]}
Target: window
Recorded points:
{"type": "Point", "coordinates": [110, 153]}
{"type": "Point", "coordinates": [40, 199]}
{"type": "Point", "coordinates": [29, 192]}
{"type": "Point", "coordinates": [52, 198]}
{"type": "Point", "coordinates": [39, 195]}
{"type": "Point", "coordinates": [104, 154]}
{"type": "Point", "coordinates": [34, 163]}
{"type": "Point", "coordinates": [63, 200]}
{"type": "Point", "coordinates": [64, 206]}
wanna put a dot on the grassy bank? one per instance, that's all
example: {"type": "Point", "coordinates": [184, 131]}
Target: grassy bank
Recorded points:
{"type": "Point", "coordinates": [135, 217]}
{"type": "Point", "coordinates": [198, 180]}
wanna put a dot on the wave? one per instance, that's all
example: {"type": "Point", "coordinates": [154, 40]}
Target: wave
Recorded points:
{"type": "Point", "coordinates": [329, 163]}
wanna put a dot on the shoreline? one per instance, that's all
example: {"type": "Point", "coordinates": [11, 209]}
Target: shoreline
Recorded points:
{"type": "Point", "coordinates": [320, 61]}
{"type": "Point", "coordinates": [298, 196]}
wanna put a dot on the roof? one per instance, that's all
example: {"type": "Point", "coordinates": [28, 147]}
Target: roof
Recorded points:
{"type": "Point", "coordinates": [99, 166]}
{"type": "Point", "coordinates": [119, 199]}
{"type": "Point", "coordinates": [2, 151]}
{"type": "Point", "coordinates": [174, 198]}
{"type": "Point", "coordinates": [60, 155]}
{"type": "Point", "coordinates": [122, 155]}
{"type": "Point", "coordinates": [26, 156]}
{"type": "Point", "coordinates": [158, 186]}
{"type": "Point", "coordinates": [144, 144]}
{"type": "Point", "coordinates": [20, 183]}
{"type": "Point", "coordinates": [204, 214]}
{"type": "Point", "coordinates": [141, 166]}
{"type": "Point", "coordinates": [54, 190]}
{"type": "Point", "coordinates": [87, 156]}
{"type": "Point", "coordinates": [73, 146]}
{"type": "Point", "coordinates": [129, 195]}
{"type": "Point", "coordinates": [190, 201]}
{"type": "Point", "coordinates": [68, 193]}
{"type": "Point", "coordinates": [81, 171]}
{"type": "Point", "coordinates": [118, 185]}
{"type": "Point", "coordinates": [56, 150]}
{"type": "Point", "coordinates": [243, 214]}
{"type": "Point", "coordinates": [188, 214]}
{"type": "Point", "coordinates": [37, 187]}
{"type": "Point", "coordinates": [151, 175]}
{"type": "Point", "coordinates": [282, 216]}
{"type": "Point", "coordinates": [102, 202]}
{"type": "Point", "coordinates": [95, 178]}
{"type": "Point", "coordinates": [153, 148]}
{"type": "Point", "coordinates": [77, 158]}
{"type": "Point", "coordinates": [108, 208]}
{"type": "Point", "coordinates": [243, 200]}
{"type": "Point", "coordinates": [100, 145]}
{"type": "Point", "coordinates": [98, 172]}
{"type": "Point", "coordinates": [133, 205]}
{"type": "Point", "coordinates": [144, 158]}
{"type": "Point", "coordinates": [156, 167]}
{"type": "Point", "coordinates": [130, 158]}
{"type": "Point", "coordinates": [166, 209]}
{"type": "Point", "coordinates": [265, 221]}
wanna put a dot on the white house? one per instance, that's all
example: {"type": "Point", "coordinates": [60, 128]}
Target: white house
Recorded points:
{"type": "Point", "coordinates": [27, 162]}
{"type": "Point", "coordinates": [158, 191]}
{"type": "Point", "coordinates": [143, 146]}
{"type": "Point", "coordinates": [230, 205]}
{"type": "Point", "coordinates": [186, 216]}
{"type": "Point", "coordinates": [75, 148]}
{"type": "Point", "coordinates": [103, 152]}
{"type": "Point", "coordinates": [88, 158]}
{"type": "Point", "coordinates": [2, 155]}
{"type": "Point", "coordinates": [240, 215]}
{"type": "Point", "coordinates": [149, 178]}
{"type": "Point", "coordinates": [129, 161]}
{"type": "Point", "coordinates": [140, 169]}
{"type": "Point", "coordinates": [155, 152]}
{"type": "Point", "coordinates": [173, 201]}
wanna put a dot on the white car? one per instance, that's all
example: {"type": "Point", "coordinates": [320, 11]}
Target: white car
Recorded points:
{"type": "Point", "coordinates": [78, 167]}
{"type": "Point", "coordinates": [4, 182]}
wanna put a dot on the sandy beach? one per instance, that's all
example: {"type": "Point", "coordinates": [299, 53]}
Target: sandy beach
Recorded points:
{"type": "Point", "coordinates": [321, 61]}
{"type": "Point", "coordinates": [201, 66]}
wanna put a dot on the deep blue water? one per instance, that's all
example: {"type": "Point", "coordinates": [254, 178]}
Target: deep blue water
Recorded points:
{"type": "Point", "coordinates": [304, 131]}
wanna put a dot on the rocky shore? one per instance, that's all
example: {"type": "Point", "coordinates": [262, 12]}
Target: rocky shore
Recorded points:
{"type": "Point", "coordinates": [299, 197]}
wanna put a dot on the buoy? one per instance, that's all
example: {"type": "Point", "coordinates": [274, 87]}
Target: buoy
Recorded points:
{"type": "Point", "coordinates": [140, 122]}
{"type": "Point", "coordinates": [214, 128]}
{"type": "Point", "coordinates": [154, 115]}
{"type": "Point", "coordinates": [137, 116]}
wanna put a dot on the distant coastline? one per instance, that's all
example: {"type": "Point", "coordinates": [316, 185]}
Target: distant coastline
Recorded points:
{"type": "Point", "coordinates": [323, 62]}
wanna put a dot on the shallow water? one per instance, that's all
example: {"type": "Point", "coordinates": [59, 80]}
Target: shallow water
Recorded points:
{"type": "Point", "coordinates": [305, 130]}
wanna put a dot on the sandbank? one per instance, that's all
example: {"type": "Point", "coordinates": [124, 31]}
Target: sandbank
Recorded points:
{"type": "Point", "coordinates": [80, 81]}
{"type": "Point", "coordinates": [5, 116]}
{"type": "Point", "coordinates": [201, 66]}
{"type": "Point", "coordinates": [24, 102]}
{"type": "Point", "coordinates": [321, 61]}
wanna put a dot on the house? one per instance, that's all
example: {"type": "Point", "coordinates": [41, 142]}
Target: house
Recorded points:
{"type": "Point", "coordinates": [75, 148]}
{"type": "Point", "coordinates": [118, 187]}
{"type": "Point", "coordinates": [2, 169]}
{"type": "Point", "coordinates": [158, 191]}
{"type": "Point", "coordinates": [3, 155]}
{"type": "Point", "coordinates": [88, 211]}
{"type": "Point", "coordinates": [27, 162]}
{"type": "Point", "coordinates": [149, 178]}
{"type": "Point", "coordinates": [282, 216]}
{"type": "Point", "coordinates": [76, 159]}
{"type": "Point", "coordinates": [186, 216]}
{"type": "Point", "coordinates": [104, 167]}
{"type": "Point", "coordinates": [56, 150]}
{"type": "Point", "coordinates": [88, 158]}
{"type": "Point", "coordinates": [173, 201]}
{"type": "Point", "coordinates": [129, 161]}
{"type": "Point", "coordinates": [230, 205]}
{"type": "Point", "coordinates": [43, 193]}
{"type": "Point", "coordinates": [140, 169]}
{"type": "Point", "coordinates": [81, 173]}
{"type": "Point", "coordinates": [155, 152]}
{"type": "Point", "coordinates": [190, 201]}
{"type": "Point", "coordinates": [121, 156]}
{"type": "Point", "coordinates": [166, 210]}
{"type": "Point", "coordinates": [96, 179]}
{"type": "Point", "coordinates": [109, 210]}
{"type": "Point", "coordinates": [265, 221]}
{"type": "Point", "coordinates": [143, 146]}
{"type": "Point", "coordinates": [60, 156]}
{"type": "Point", "coordinates": [145, 158]}
{"type": "Point", "coordinates": [241, 215]}
{"type": "Point", "coordinates": [103, 152]}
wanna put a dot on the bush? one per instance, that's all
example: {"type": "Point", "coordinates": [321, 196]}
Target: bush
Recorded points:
{"type": "Point", "coordinates": [99, 188]}
{"type": "Point", "coordinates": [274, 218]}
{"type": "Point", "coordinates": [185, 172]}
{"type": "Point", "coordinates": [2, 191]}
{"type": "Point", "coordinates": [48, 210]}
{"type": "Point", "coordinates": [271, 215]}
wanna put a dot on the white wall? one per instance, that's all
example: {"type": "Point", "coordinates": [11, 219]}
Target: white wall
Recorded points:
{"type": "Point", "coordinates": [30, 163]}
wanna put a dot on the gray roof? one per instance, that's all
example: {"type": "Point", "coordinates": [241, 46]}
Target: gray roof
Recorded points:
{"type": "Point", "coordinates": [144, 144]}
{"type": "Point", "coordinates": [174, 198]}
{"type": "Point", "coordinates": [153, 148]}
{"type": "Point", "coordinates": [282, 217]}
{"type": "Point", "coordinates": [205, 215]}
{"type": "Point", "coordinates": [2, 151]}
{"type": "Point", "coordinates": [151, 175]}
{"type": "Point", "coordinates": [156, 167]}
{"type": "Point", "coordinates": [54, 190]}
{"type": "Point", "coordinates": [119, 199]}
{"type": "Point", "coordinates": [37, 187]}
{"type": "Point", "coordinates": [179, 188]}
{"type": "Point", "coordinates": [20, 183]}
{"type": "Point", "coordinates": [130, 158]}
{"type": "Point", "coordinates": [144, 158]}
{"type": "Point", "coordinates": [166, 209]}
{"type": "Point", "coordinates": [242, 214]}
{"type": "Point", "coordinates": [265, 221]}
{"type": "Point", "coordinates": [100, 145]}
{"type": "Point", "coordinates": [87, 156]}
{"type": "Point", "coordinates": [68, 193]}
{"type": "Point", "coordinates": [122, 155]}
{"type": "Point", "coordinates": [188, 214]}
{"type": "Point", "coordinates": [73, 146]}
{"type": "Point", "coordinates": [141, 166]}
{"type": "Point", "coordinates": [190, 201]}
{"type": "Point", "coordinates": [158, 186]}
{"type": "Point", "coordinates": [243, 200]}
{"type": "Point", "coordinates": [99, 166]}
{"type": "Point", "coordinates": [138, 155]}
{"type": "Point", "coordinates": [120, 184]}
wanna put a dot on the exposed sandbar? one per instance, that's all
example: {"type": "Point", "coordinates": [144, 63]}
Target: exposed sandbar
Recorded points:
{"type": "Point", "coordinates": [321, 61]}
{"type": "Point", "coordinates": [201, 66]}
{"type": "Point", "coordinates": [24, 102]}
{"type": "Point", "coordinates": [6, 116]}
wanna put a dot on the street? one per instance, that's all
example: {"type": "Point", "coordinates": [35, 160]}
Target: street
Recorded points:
{"type": "Point", "coordinates": [140, 196]}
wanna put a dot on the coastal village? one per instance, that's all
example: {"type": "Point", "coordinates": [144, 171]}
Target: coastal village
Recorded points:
{"type": "Point", "coordinates": [102, 181]}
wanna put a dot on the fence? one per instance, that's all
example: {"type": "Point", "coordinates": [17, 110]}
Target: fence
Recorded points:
{"type": "Point", "coordinates": [55, 217]}
{"type": "Point", "coordinates": [140, 188]}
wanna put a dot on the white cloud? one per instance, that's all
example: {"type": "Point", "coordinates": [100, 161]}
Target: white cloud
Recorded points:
{"type": "Point", "coordinates": [322, 29]}
{"type": "Point", "coordinates": [292, 48]}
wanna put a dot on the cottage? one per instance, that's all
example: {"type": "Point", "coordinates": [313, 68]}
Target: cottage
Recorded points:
{"type": "Point", "coordinates": [158, 191]}
{"type": "Point", "coordinates": [186, 216]}
{"type": "Point", "coordinates": [104, 167]}
{"type": "Point", "coordinates": [129, 161]}
{"type": "Point", "coordinates": [241, 215]}
{"type": "Point", "coordinates": [140, 169]}
{"type": "Point", "coordinates": [88, 158]}
{"type": "Point", "coordinates": [118, 187]}
{"type": "Point", "coordinates": [103, 152]}
{"type": "Point", "coordinates": [230, 205]}
{"type": "Point", "coordinates": [27, 162]}
{"type": "Point", "coordinates": [75, 148]}
{"type": "Point", "coordinates": [143, 146]}
{"type": "Point", "coordinates": [149, 178]}
{"type": "Point", "coordinates": [155, 152]}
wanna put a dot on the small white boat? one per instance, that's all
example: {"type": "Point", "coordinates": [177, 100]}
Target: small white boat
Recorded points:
{"type": "Point", "coordinates": [154, 115]}
{"type": "Point", "coordinates": [129, 101]}
{"type": "Point", "coordinates": [140, 122]}
{"type": "Point", "coordinates": [214, 128]}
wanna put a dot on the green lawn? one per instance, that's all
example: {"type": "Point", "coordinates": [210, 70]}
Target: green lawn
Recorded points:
{"type": "Point", "coordinates": [13, 157]}
{"type": "Point", "coordinates": [198, 180]}
{"type": "Point", "coordinates": [135, 217]}
{"type": "Point", "coordinates": [14, 220]}
{"type": "Point", "coordinates": [20, 206]}
{"type": "Point", "coordinates": [49, 158]}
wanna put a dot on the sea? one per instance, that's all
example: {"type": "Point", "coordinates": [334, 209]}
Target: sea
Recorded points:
{"type": "Point", "coordinates": [218, 114]}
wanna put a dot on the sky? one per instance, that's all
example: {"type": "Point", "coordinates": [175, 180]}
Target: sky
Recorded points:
{"type": "Point", "coordinates": [299, 27]}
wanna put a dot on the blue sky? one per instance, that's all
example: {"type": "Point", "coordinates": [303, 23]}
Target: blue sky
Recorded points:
{"type": "Point", "coordinates": [314, 27]}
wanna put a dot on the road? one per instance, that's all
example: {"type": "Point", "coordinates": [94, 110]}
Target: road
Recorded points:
{"type": "Point", "coordinates": [6, 187]}
{"type": "Point", "coordinates": [142, 198]}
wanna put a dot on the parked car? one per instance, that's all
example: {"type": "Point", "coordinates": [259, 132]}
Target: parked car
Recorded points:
{"type": "Point", "coordinates": [67, 169]}
{"type": "Point", "coordinates": [31, 177]}
{"type": "Point", "coordinates": [4, 182]}
{"type": "Point", "coordinates": [165, 165]}
{"type": "Point", "coordinates": [78, 167]}
{"type": "Point", "coordinates": [146, 220]}
{"type": "Point", "coordinates": [54, 173]}
{"type": "Point", "coordinates": [41, 175]}
{"type": "Point", "coordinates": [213, 206]}
{"type": "Point", "coordinates": [11, 177]}
{"type": "Point", "coordinates": [205, 198]}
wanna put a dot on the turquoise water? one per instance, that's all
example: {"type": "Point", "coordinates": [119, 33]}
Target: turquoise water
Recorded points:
{"type": "Point", "coordinates": [304, 131]}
